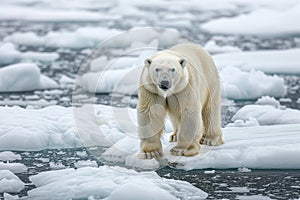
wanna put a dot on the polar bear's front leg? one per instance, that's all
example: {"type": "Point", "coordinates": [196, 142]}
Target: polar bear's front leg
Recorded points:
{"type": "Point", "coordinates": [151, 117]}
{"type": "Point", "coordinates": [189, 135]}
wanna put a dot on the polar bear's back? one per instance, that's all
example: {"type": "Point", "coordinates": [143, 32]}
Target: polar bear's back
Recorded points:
{"type": "Point", "coordinates": [199, 59]}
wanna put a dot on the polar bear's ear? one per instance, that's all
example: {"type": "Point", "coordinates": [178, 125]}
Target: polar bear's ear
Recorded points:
{"type": "Point", "coordinates": [182, 62]}
{"type": "Point", "coordinates": [148, 62]}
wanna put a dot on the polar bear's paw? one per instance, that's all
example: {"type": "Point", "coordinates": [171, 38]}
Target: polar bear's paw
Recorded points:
{"type": "Point", "coordinates": [212, 141]}
{"type": "Point", "coordinates": [191, 151]}
{"type": "Point", "coordinates": [150, 154]}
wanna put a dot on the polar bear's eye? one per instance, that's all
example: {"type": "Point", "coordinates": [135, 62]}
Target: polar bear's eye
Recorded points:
{"type": "Point", "coordinates": [173, 70]}
{"type": "Point", "coordinates": [157, 69]}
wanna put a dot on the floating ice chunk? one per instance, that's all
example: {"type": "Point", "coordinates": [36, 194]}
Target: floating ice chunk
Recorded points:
{"type": "Point", "coordinates": [121, 149]}
{"type": "Point", "coordinates": [111, 183]}
{"type": "Point", "coordinates": [10, 197]}
{"type": "Point", "coordinates": [212, 47]}
{"type": "Point", "coordinates": [40, 56]}
{"type": "Point", "coordinates": [147, 164]}
{"type": "Point", "coordinates": [57, 165]}
{"type": "Point", "coordinates": [32, 13]}
{"type": "Point", "coordinates": [85, 163]}
{"type": "Point", "coordinates": [267, 22]}
{"type": "Point", "coordinates": [66, 80]}
{"type": "Point", "coordinates": [8, 54]}
{"type": "Point", "coordinates": [244, 123]}
{"type": "Point", "coordinates": [244, 169]}
{"type": "Point", "coordinates": [239, 84]}
{"type": "Point", "coordinates": [252, 197]}
{"type": "Point", "coordinates": [10, 182]}
{"type": "Point", "coordinates": [81, 38]}
{"type": "Point", "coordinates": [13, 167]}
{"type": "Point", "coordinates": [268, 61]}
{"type": "Point", "coordinates": [23, 77]}
{"type": "Point", "coordinates": [9, 156]}
{"type": "Point", "coordinates": [266, 100]}
{"type": "Point", "coordinates": [268, 115]}
{"type": "Point", "coordinates": [209, 171]}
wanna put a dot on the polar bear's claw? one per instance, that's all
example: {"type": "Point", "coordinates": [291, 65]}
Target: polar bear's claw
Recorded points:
{"type": "Point", "coordinates": [150, 155]}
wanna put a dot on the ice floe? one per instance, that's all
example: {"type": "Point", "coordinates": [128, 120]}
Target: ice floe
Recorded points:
{"type": "Point", "coordinates": [267, 22]}
{"type": "Point", "coordinates": [269, 61]}
{"type": "Point", "coordinates": [10, 182]}
{"type": "Point", "coordinates": [24, 77]}
{"type": "Point", "coordinates": [109, 183]}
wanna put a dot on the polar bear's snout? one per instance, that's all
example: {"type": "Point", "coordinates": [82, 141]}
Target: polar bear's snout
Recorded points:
{"type": "Point", "coordinates": [165, 81]}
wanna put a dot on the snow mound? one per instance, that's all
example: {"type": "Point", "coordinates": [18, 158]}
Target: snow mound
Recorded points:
{"type": "Point", "coordinates": [268, 61]}
{"type": "Point", "coordinates": [268, 115]}
{"type": "Point", "coordinates": [109, 183]}
{"type": "Point", "coordinates": [10, 182]}
{"type": "Point", "coordinates": [9, 156]}
{"type": "Point", "coordinates": [13, 167]}
{"type": "Point", "coordinates": [239, 84]}
{"type": "Point", "coordinates": [212, 47]}
{"type": "Point", "coordinates": [266, 100]}
{"type": "Point", "coordinates": [8, 54]}
{"type": "Point", "coordinates": [24, 77]}
{"type": "Point", "coordinates": [266, 21]}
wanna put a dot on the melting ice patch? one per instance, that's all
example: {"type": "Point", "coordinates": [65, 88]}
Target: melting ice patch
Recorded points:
{"type": "Point", "coordinates": [109, 183]}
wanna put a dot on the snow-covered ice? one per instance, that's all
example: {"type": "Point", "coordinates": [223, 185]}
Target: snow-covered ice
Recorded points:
{"type": "Point", "coordinates": [10, 182]}
{"type": "Point", "coordinates": [24, 77]}
{"type": "Point", "coordinates": [269, 61]}
{"type": "Point", "coordinates": [9, 156]}
{"type": "Point", "coordinates": [109, 183]}
{"type": "Point", "coordinates": [267, 100]}
{"type": "Point", "coordinates": [55, 127]}
{"type": "Point", "coordinates": [240, 84]}
{"type": "Point", "coordinates": [268, 115]}
{"type": "Point", "coordinates": [13, 167]}
{"type": "Point", "coordinates": [212, 47]}
{"type": "Point", "coordinates": [9, 55]}
{"type": "Point", "coordinates": [85, 163]}
{"type": "Point", "coordinates": [265, 22]}
{"type": "Point", "coordinates": [24, 13]}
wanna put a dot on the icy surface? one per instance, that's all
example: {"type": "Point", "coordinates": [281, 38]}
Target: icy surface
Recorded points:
{"type": "Point", "coordinates": [10, 182]}
{"type": "Point", "coordinates": [239, 84]}
{"type": "Point", "coordinates": [212, 47]}
{"type": "Point", "coordinates": [267, 22]}
{"type": "Point", "coordinates": [109, 183]}
{"type": "Point", "coordinates": [9, 156]}
{"type": "Point", "coordinates": [267, 100]}
{"type": "Point", "coordinates": [24, 77]}
{"type": "Point", "coordinates": [244, 147]}
{"type": "Point", "coordinates": [13, 167]}
{"type": "Point", "coordinates": [269, 61]}
{"type": "Point", "coordinates": [81, 38]}
{"type": "Point", "coordinates": [268, 115]}
{"type": "Point", "coordinates": [55, 127]}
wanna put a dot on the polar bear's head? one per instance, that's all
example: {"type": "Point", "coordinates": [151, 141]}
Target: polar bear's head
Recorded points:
{"type": "Point", "coordinates": [168, 72]}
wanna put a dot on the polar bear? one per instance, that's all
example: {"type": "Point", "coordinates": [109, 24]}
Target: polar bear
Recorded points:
{"type": "Point", "coordinates": [182, 82]}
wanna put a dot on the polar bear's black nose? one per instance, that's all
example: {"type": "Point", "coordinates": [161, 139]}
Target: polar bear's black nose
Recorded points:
{"type": "Point", "coordinates": [164, 85]}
